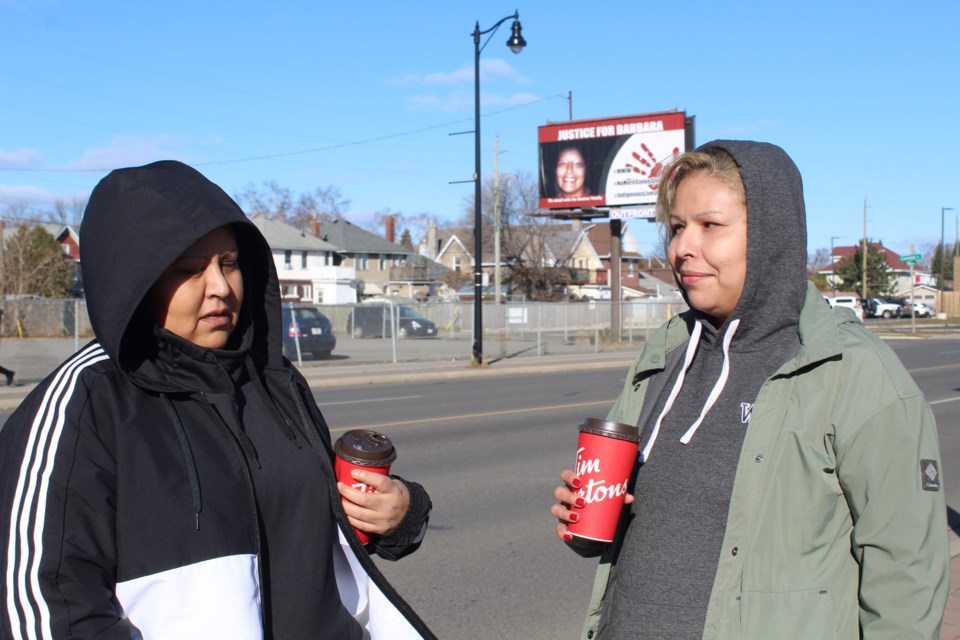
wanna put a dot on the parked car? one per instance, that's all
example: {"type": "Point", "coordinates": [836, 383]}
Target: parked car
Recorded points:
{"type": "Point", "coordinates": [879, 308]}
{"type": "Point", "coordinates": [920, 310]}
{"type": "Point", "coordinates": [373, 320]}
{"type": "Point", "coordinates": [314, 330]}
{"type": "Point", "coordinates": [846, 301]}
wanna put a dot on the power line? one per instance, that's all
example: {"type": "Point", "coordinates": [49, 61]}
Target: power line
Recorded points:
{"type": "Point", "coordinates": [288, 154]}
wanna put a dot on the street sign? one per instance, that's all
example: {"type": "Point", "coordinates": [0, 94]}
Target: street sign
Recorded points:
{"type": "Point", "coordinates": [912, 258]}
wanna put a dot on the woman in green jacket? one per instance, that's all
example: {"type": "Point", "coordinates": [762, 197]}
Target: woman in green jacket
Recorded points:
{"type": "Point", "coordinates": [788, 481]}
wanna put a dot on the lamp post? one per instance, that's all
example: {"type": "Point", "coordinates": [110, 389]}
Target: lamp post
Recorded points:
{"type": "Point", "coordinates": [516, 44]}
{"type": "Point", "coordinates": [943, 257]}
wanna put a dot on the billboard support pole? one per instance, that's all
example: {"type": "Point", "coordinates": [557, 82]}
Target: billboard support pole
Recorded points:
{"type": "Point", "coordinates": [516, 44]}
{"type": "Point", "coordinates": [615, 252]}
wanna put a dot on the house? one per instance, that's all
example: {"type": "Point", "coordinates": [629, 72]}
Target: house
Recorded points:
{"type": "Point", "coordinates": [69, 241]}
{"type": "Point", "coordinates": [309, 269]}
{"type": "Point", "coordinates": [383, 266]}
{"type": "Point", "coordinates": [899, 271]}
{"type": "Point", "coordinates": [583, 249]}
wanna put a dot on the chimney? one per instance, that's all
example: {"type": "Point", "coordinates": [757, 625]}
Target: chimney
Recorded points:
{"type": "Point", "coordinates": [315, 228]}
{"type": "Point", "coordinates": [432, 249]}
{"type": "Point", "coordinates": [390, 223]}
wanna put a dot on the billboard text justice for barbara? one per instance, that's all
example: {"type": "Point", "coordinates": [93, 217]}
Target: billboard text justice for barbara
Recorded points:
{"type": "Point", "coordinates": [612, 162]}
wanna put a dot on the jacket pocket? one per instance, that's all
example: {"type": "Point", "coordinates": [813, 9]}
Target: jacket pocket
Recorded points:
{"type": "Point", "coordinates": [802, 614]}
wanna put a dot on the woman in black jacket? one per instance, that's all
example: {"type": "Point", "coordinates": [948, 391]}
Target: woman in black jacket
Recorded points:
{"type": "Point", "coordinates": [174, 478]}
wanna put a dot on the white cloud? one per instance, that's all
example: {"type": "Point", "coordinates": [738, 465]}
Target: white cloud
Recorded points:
{"type": "Point", "coordinates": [491, 70]}
{"type": "Point", "coordinates": [22, 157]}
{"type": "Point", "coordinates": [34, 197]}
{"type": "Point", "coordinates": [129, 151]}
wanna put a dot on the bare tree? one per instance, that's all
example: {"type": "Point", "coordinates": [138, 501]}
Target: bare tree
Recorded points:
{"type": "Point", "coordinates": [531, 266]}
{"type": "Point", "coordinates": [323, 204]}
{"type": "Point", "coordinates": [70, 213]}
{"type": "Point", "coordinates": [270, 200]}
{"type": "Point", "coordinates": [414, 225]}
{"type": "Point", "coordinates": [33, 264]}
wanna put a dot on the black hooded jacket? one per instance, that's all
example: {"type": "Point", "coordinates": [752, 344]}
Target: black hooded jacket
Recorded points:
{"type": "Point", "coordinates": [154, 488]}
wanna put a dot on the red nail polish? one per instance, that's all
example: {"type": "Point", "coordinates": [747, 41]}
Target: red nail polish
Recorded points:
{"type": "Point", "coordinates": [568, 537]}
{"type": "Point", "coordinates": [574, 517]}
{"type": "Point", "coordinates": [576, 483]}
{"type": "Point", "coordinates": [581, 503]}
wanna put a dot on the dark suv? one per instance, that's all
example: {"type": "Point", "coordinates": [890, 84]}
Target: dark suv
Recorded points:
{"type": "Point", "coordinates": [373, 320]}
{"type": "Point", "coordinates": [314, 329]}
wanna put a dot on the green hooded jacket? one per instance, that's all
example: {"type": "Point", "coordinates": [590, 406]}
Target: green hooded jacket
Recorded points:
{"type": "Point", "coordinates": [837, 521]}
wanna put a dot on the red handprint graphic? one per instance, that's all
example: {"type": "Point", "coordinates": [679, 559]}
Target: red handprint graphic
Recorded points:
{"type": "Point", "coordinates": [654, 167]}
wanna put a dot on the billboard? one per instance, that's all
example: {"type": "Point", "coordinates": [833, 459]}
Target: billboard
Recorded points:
{"type": "Point", "coordinates": [609, 162]}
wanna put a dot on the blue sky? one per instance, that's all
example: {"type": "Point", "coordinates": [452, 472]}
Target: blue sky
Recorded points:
{"type": "Point", "coordinates": [364, 96]}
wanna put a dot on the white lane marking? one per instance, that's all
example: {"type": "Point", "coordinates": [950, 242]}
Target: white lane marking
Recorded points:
{"type": "Point", "coordinates": [368, 400]}
{"type": "Point", "coordinates": [945, 400]}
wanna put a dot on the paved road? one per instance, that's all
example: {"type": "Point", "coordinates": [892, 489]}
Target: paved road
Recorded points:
{"type": "Point", "coordinates": [488, 443]}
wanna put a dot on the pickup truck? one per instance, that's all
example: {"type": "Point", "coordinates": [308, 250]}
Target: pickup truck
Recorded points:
{"type": "Point", "coordinates": [877, 308]}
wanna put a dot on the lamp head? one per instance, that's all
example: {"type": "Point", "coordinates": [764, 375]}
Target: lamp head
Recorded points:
{"type": "Point", "coordinates": [516, 41]}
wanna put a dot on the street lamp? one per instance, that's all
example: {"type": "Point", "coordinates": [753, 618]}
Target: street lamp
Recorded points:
{"type": "Point", "coordinates": [516, 44]}
{"type": "Point", "coordinates": [943, 257]}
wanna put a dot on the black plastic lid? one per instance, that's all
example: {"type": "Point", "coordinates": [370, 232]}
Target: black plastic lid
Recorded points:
{"type": "Point", "coordinates": [365, 448]}
{"type": "Point", "coordinates": [610, 429]}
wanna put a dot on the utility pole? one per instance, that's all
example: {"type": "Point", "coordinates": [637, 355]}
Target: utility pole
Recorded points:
{"type": "Point", "coordinates": [913, 287]}
{"type": "Point", "coordinates": [863, 296]}
{"type": "Point", "coordinates": [496, 219]}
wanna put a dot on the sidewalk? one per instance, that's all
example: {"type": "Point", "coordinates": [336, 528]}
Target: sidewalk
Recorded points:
{"type": "Point", "coordinates": [331, 374]}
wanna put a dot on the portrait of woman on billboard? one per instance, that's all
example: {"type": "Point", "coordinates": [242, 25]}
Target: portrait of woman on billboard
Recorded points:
{"type": "Point", "coordinates": [569, 169]}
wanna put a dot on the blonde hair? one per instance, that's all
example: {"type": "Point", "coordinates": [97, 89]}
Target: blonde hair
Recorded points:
{"type": "Point", "coordinates": [712, 161]}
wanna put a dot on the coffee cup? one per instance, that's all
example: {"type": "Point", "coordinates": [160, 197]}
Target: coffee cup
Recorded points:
{"type": "Point", "coordinates": [362, 449]}
{"type": "Point", "coordinates": [606, 454]}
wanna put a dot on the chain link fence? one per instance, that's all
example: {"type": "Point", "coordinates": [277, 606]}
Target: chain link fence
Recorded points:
{"type": "Point", "coordinates": [38, 334]}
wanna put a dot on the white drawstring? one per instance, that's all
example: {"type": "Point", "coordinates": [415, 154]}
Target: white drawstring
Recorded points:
{"type": "Point", "coordinates": [687, 359]}
{"type": "Point", "coordinates": [718, 387]}
{"type": "Point", "coordinates": [675, 391]}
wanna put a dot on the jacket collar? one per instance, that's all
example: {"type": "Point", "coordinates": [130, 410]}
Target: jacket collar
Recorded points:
{"type": "Point", "coordinates": [818, 330]}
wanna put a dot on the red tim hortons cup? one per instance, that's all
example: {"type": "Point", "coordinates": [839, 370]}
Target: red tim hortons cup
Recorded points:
{"type": "Point", "coordinates": [362, 449]}
{"type": "Point", "coordinates": [606, 453]}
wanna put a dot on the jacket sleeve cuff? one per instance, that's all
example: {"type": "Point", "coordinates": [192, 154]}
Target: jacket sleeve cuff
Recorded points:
{"type": "Point", "coordinates": [408, 535]}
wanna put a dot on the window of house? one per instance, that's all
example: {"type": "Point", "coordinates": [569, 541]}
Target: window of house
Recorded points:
{"type": "Point", "coordinates": [288, 259]}
{"type": "Point", "coordinates": [456, 263]}
{"type": "Point", "coordinates": [397, 260]}
{"type": "Point", "coordinates": [363, 262]}
{"type": "Point", "coordinates": [326, 258]}
{"type": "Point", "coordinates": [306, 292]}
{"type": "Point", "coordinates": [630, 269]}
{"type": "Point", "coordinates": [303, 259]}
{"type": "Point", "coordinates": [382, 262]}
{"type": "Point", "coordinates": [319, 299]}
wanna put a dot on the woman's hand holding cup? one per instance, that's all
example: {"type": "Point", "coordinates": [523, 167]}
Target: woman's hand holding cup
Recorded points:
{"type": "Point", "coordinates": [565, 509]}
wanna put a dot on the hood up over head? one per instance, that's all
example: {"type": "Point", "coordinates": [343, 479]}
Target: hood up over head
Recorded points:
{"type": "Point", "coordinates": [767, 315]}
{"type": "Point", "coordinates": [138, 221]}
{"type": "Point", "coordinates": [776, 278]}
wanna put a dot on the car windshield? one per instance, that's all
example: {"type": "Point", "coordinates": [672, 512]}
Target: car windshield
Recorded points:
{"type": "Point", "coordinates": [308, 313]}
{"type": "Point", "coordinates": [408, 312]}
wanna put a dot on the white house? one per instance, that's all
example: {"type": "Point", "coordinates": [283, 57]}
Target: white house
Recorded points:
{"type": "Point", "coordinates": [309, 269]}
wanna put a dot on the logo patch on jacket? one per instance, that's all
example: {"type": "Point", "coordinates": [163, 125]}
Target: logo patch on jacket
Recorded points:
{"type": "Point", "coordinates": [746, 408]}
{"type": "Point", "coordinates": [929, 475]}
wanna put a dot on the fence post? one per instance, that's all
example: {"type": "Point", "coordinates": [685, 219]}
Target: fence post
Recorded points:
{"type": "Point", "coordinates": [76, 325]}
{"type": "Point", "coordinates": [539, 307]}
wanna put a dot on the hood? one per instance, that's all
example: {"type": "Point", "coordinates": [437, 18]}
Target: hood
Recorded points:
{"type": "Point", "coordinates": [776, 278]}
{"type": "Point", "coordinates": [137, 222]}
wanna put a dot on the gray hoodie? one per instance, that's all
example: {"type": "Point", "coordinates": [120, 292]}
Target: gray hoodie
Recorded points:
{"type": "Point", "coordinates": [661, 581]}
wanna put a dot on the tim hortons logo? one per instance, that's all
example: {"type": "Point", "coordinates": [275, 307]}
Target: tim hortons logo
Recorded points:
{"type": "Point", "coordinates": [596, 489]}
